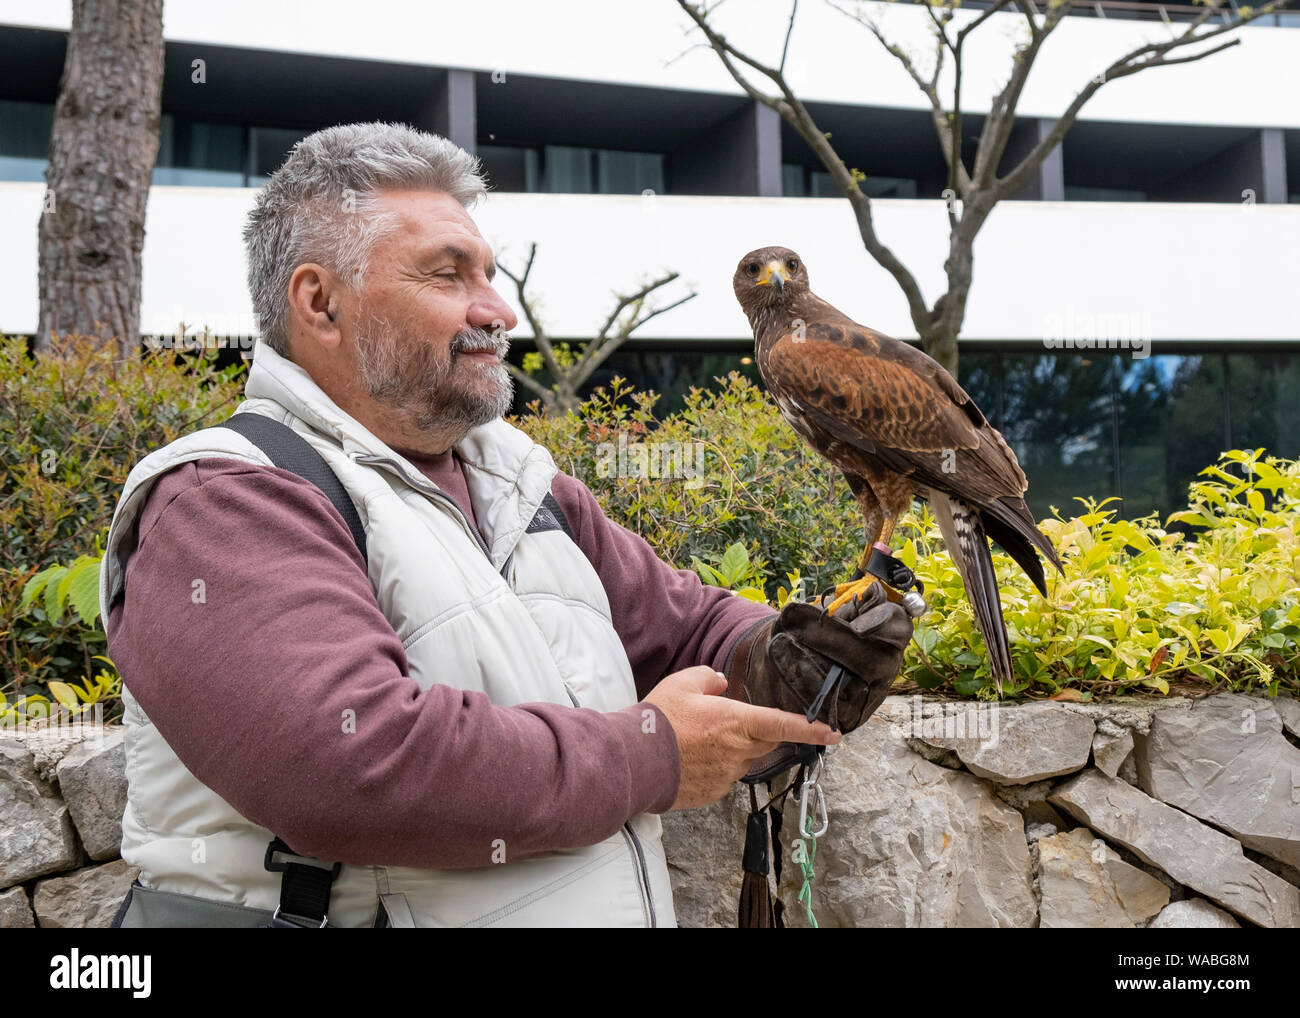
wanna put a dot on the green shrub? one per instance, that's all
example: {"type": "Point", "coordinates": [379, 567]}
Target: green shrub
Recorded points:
{"type": "Point", "coordinates": [1138, 609]}
{"type": "Point", "coordinates": [723, 487]}
{"type": "Point", "coordinates": [748, 480]}
{"type": "Point", "coordinates": [75, 422]}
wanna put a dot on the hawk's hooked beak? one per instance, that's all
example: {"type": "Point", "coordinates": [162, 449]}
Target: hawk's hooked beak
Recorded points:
{"type": "Point", "coordinates": [773, 275]}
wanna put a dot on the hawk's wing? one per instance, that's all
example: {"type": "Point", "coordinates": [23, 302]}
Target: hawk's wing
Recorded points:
{"type": "Point", "coordinates": [899, 408]}
{"type": "Point", "coordinates": [905, 412]}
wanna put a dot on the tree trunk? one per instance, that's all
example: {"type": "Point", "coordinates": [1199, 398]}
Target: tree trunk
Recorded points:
{"type": "Point", "coordinates": [941, 344]}
{"type": "Point", "coordinates": [102, 151]}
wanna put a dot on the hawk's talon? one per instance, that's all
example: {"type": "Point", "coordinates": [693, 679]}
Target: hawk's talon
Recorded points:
{"type": "Point", "coordinates": [848, 592]}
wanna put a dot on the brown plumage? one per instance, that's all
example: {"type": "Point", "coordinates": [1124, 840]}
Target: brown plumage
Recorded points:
{"type": "Point", "coordinates": [897, 425]}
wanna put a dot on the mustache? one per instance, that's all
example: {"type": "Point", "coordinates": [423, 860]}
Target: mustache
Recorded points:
{"type": "Point", "coordinates": [479, 340]}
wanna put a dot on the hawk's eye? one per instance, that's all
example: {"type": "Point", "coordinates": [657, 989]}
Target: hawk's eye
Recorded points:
{"type": "Point", "coordinates": [792, 265]}
{"type": "Point", "coordinates": [752, 268]}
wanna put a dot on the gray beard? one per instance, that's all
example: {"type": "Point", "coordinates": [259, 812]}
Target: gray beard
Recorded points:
{"type": "Point", "coordinates": [433, 395]}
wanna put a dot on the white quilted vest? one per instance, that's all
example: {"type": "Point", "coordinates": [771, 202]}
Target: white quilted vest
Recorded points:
{"type": "Point", "coordinates": [524, 619]}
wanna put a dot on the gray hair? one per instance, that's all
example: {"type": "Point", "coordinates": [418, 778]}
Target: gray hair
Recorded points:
{"type": "Point", "coordinates": [322, 206]}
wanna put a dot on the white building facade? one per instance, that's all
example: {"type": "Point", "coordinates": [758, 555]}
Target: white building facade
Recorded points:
{"type": "Point", "coordinates": [1131, 313]}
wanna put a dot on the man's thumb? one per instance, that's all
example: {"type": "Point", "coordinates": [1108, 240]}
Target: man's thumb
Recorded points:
{"type": "Point", "coordinates": [703, 680]}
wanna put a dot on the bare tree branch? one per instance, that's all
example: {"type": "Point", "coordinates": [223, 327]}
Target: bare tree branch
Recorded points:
{"type": "Point", "coordinates": [988, 12]}
{"type": "Point", "coordinates": [1002, 113]}
{"type": "Point", "coordinates": [979, 185]}
{"type": "Point", "coordinates": [592, 361]}
{"type": "Point", "coordinates": [797, 115]}
{"type": "Point", "coordinates": [562, 395]}
{"type": "Point", "coordinates": [534, 323]}
{"type": "Point", "coordinates": [789, 29]}
{"type": "Point", "coordinates": [532, 384]}
{"type": "Point", "coordinates": [950, 144]}
{"type": "Point", "coordinates": [603, 345]}
{"type": "Point", "coordinates": [1130, 63]}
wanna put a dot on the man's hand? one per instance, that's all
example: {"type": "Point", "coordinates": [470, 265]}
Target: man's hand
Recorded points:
{"type": "Point", "coordinates": [718, 738]}
{"type": "Point", "coordinates": [783, 663]}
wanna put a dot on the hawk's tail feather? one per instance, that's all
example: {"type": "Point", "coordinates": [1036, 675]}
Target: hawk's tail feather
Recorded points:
{"type": "Point", "coordinates": [1017, 545]}
{"type": "Point", "coordinates": [964, 535]}
{"type": "Point", "coordinates": [1010, 523]}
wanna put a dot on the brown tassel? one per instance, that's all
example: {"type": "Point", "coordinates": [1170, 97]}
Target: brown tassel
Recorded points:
{"type": "Point", "coordinates": [755, 893]}
{"type": "Point", "coordinates": [756, 904]}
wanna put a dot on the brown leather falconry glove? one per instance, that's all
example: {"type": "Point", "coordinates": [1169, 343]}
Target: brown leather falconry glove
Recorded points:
{"type": "Point", "coordinates": [784, 663]}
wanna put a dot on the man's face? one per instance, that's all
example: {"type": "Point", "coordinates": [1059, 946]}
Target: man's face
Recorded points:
{"type": "Point", "coordinates": [430, 336]}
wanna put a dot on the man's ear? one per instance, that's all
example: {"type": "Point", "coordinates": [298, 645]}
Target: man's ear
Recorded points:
{"type": "Point", "coordinates": [314, 305]}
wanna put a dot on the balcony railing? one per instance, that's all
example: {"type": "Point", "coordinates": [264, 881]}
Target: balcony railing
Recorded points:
{"type": "Point", "coordinates": [1135, 10]}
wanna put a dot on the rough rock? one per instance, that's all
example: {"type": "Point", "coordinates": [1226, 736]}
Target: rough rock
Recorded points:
{"type": "Point", "coordinates": [36, 835]}
{"type": "Point", "coordinates": [1036, 832]}
{"type": "Point", "coordinates": [15, 910]}
{"type": "Point", "coordinates": [704, 849]}
{"type": "Point", "coordinates": [935, 754]}
{"type": "Point", "coordinates": [1191, 852]}
{"type": "Point", "coordinates": [910, 844]}
{"type": "Point", "coordinates": [49, 745]}
{"type": "Point", "coordinates": [1110, 747]}
{"type": "Point", "coordinates": [1227, 762]}
{"type": "Point", "coordinates": [1032, 802]}
{"type": "Point", "coordinates": [1085, 884]}
{"type": "Point", "coordinates": [1128, 770]}
{"type": "Point", "coordinates": [1023, 796]}
{"type": "Point", "coordinates": [92, 778]}
{"type": "Point", "coordinates": [1193, 914]}
{"type": "Point", "coordinates": [86, 899]}
{"type": "Point", "coordinates": [1133, 713]}
{"type": "Point", "coordinates": [1289, 711]}
{"type": "Point", "coordinates": [1288, 873]}
{"type": "Point", "coordinates": [1018, 745]}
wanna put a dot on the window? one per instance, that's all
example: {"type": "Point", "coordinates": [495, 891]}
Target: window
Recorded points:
{"type": "Point", "coordinates": [198, 154]}
{"type": "Point", "coordinates": [563, 169]}
{"type": "Point", "coordinates": [511, 168]}
{"type": "Point", "coordinates": [268, 149]}
{"type": "Point", "coordinates": [24, 139]}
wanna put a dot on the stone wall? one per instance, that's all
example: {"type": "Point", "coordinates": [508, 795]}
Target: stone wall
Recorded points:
{"type": "Point", "coordinates": [1175, 813]}
{"type": "Point", "coordinates": [62, 795]}
{"type": "Point", "coordinates": [1131, 813]}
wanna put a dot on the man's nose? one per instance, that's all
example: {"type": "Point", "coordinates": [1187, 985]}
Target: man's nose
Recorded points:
{"type": "Point", "coordinates": [491, 312]}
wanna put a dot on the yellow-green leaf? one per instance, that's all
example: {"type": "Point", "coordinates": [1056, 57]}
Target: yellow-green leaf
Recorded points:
{"type": "Point", "coordinates": [64, 693]}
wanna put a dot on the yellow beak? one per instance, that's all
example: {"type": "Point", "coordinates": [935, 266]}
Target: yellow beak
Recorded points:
{"type": "Point", "coordinates": [773, 275]}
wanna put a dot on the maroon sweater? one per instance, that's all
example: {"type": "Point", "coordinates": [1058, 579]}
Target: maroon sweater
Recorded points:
{"type": "Point", "coordinates": [250, 684]}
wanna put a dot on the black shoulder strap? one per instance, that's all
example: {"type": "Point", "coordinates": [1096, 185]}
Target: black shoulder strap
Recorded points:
{"type": "Point", "coordinates": [304, 889]}
{"type": "Point", "coordinates": [289, 451]}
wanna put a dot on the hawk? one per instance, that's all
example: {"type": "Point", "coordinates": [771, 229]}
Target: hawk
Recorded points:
{"type": "Point", "coordinates": [897, 425]}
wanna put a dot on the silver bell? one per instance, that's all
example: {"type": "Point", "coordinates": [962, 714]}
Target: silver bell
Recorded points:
{"type": "Point", "coordinates": [914, 604]}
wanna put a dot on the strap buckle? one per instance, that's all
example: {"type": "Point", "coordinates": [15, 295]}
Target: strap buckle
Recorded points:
{"type": "Point", "coordinates": [277, 921]}
{"type": "Point", "coordinates": [304, 888]}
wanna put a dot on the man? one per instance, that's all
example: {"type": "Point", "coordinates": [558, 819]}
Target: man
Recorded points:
{"type": "Point", "coordinates": [482, 718]}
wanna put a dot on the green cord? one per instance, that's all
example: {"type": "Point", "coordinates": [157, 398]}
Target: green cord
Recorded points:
{"type": "Point", "coordinates": [806, 864]}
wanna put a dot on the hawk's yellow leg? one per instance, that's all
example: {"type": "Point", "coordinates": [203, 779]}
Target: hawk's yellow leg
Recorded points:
{"type": "Point", "coordinates": [846, 592]}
